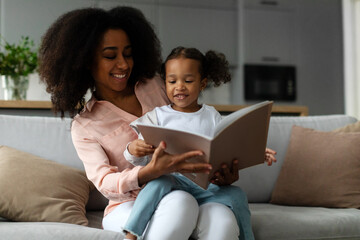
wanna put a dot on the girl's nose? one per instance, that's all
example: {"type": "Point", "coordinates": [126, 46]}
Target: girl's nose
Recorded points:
{"type": "Point", "coordinates": [180, 86]}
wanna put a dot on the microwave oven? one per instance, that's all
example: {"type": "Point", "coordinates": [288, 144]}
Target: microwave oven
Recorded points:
{"type": "Point", "coordinates": [270, 82]}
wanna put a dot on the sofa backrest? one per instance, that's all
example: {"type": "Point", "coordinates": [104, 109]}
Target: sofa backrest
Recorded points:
{"type": "Point", "coordinates": [46, 137]}
{"type": "Point", "coordinates": [258, 181]}
{"type": "Point", "coordinates": [50, 138]}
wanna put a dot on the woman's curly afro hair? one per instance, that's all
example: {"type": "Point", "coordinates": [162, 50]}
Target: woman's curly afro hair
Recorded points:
{"type": "Point", "coordinates": [68, 49]}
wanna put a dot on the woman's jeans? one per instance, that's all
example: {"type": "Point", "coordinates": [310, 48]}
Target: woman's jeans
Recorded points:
{"type": "Point", "coordinates": [149, 197]}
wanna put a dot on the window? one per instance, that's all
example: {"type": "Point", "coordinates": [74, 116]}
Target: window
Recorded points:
{"type": "Point", "coordinates": [351, 28]}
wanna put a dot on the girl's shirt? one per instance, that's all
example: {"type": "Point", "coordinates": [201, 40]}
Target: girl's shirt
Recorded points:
{"type": "Point", "coordinates": [100, 134]}
{"type": "Point", "coordinates": [202, 122]}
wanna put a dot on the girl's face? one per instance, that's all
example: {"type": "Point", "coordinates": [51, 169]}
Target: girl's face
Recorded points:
{"type": "Point", "coordinates": [184, 83]}
{"type": "Point", "coordinates": [113, 63]}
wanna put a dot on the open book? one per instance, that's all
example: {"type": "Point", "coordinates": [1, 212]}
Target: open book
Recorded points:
{"type": "Point", "coordinates": [240, 135]}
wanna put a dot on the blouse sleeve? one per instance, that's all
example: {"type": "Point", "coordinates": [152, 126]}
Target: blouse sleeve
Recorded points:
{"type": "Point", "coordinates": [113, 184]}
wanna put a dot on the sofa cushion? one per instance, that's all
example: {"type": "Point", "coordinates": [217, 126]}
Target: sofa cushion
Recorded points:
{"type": "Point", "coordinates": [38, 190]}
{"type": "Point", "coordinates": [320, 169]}
{"type": "Point", "coordinates": [259, 181]}
{"type": "Point", "coordinates": [278, 222]}
{"type": "Point", "coordinates": [54, 231]}
{"type": "Point", "coordinates": [354, 127]}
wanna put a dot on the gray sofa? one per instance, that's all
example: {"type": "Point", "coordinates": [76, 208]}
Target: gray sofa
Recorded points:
{"type": "Point", "coordinates": [49, 138]}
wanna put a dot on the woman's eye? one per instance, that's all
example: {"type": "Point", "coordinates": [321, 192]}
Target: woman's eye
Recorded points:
{"type": "Point", "coordinates": [110, 57]}
{"type": "Point", "coordinates": [127, 53]}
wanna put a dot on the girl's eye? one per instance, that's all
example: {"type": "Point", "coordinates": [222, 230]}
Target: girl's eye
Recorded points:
{"type": "Point", "coordinates": [171, 81]}
{"type": "Point", "coordinates": [189, 80]}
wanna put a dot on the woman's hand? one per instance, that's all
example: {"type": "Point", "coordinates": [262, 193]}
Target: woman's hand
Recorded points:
{"type": "Point", "coordinates": [164, 163]}
{"type": "Point", "coordinates": [140, 148]}
{"type": "Point", "coordinates": [270, 156]}
{"type": "Point", "coordinates": [226, 175]}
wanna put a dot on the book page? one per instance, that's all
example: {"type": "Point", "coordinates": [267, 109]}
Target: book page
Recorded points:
{"type": "Point", "coordinates": [227, 120]}
{"type": "Point", "coordinates": [245, 140]}
{"type": "Point", "coordinates": [178, 142]}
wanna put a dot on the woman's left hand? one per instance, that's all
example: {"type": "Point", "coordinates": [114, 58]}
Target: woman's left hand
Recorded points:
{"type": "Point", "coordinates": [227, 174]}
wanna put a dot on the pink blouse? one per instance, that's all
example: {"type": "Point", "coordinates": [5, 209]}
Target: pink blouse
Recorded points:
{"type": "Point", "coordinates": [100, 134]}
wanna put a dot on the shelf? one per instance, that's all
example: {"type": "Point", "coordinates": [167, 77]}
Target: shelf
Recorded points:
{"type": "Point", "coordinates": [20, 104]}
{"type": "Point", "coordinates": [285, 110]}
{"type": "Point", "coordinates": [277, 110]}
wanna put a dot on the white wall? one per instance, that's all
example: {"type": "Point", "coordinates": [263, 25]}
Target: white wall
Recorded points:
{"type": "Point", "coordinates": [32, 18]}
{"type": "Point", "coordinates": [320, 56]}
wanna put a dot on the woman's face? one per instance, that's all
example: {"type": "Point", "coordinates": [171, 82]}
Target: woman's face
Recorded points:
{"type": "Point", "coordinates": [184, 83]}
{"type": "Point", "coordinates": [113, 63]}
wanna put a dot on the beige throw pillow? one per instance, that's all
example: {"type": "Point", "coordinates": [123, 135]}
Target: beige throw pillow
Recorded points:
{"type": "Point", "coordinates": [38, 190]}
{"type": "Point", "coordinates": [354, 127]}
{"type": "Point", "coordinates": [320, 169]}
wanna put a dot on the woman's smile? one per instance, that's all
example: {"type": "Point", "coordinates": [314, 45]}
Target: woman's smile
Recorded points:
{"type": "Point", "coordinates": [119, 77]}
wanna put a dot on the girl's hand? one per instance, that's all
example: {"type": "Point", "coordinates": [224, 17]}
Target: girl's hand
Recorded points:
{"type": "Point", "coordinates": [164, 163]}
{"type": "Point", "coordinates": [226, 175]}
{"type": "Point", "coordinates": [140, 148]}
{"type": "Point", "coordinates": [270, 156]}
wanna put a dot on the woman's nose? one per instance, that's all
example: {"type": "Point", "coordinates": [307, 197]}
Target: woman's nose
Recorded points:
{"type": "Point", "coordinates": [122, 63]}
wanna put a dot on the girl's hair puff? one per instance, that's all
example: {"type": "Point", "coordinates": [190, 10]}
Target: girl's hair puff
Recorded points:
{"type": "Point", "coordinates": [68, 47]}
{"type": "Point", "coordinates": [213, 65]}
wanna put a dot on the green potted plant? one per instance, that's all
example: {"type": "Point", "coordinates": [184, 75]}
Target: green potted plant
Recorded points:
{"type": "Point", "coordinates": [17, 61]}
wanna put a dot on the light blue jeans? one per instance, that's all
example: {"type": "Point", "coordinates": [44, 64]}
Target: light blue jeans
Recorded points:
{"type": "Point", "coordinates": [149, 197]}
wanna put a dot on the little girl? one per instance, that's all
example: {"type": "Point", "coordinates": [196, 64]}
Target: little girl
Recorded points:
{"type": "Point", "coordinates": [187, 72]}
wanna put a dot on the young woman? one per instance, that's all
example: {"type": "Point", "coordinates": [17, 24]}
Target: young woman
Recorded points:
{"type": "Point", "coordinates": [115, 54]}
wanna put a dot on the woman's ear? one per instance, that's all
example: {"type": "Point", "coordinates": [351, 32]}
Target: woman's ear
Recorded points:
{"type": "Point", "coordinates": [203, 83]}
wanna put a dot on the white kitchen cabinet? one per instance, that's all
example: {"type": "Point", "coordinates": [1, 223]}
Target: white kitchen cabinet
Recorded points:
{"type": "Point", "coordinates": [204, 24]}
{"type": "Point", "coordinates": [203, 28]}
{"type": "Point", "coordinates": [147, 7]}
{"type": "Point", "coordinates": [269, 35]}
{"type": "Point", "coordinates": [270, 4]}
